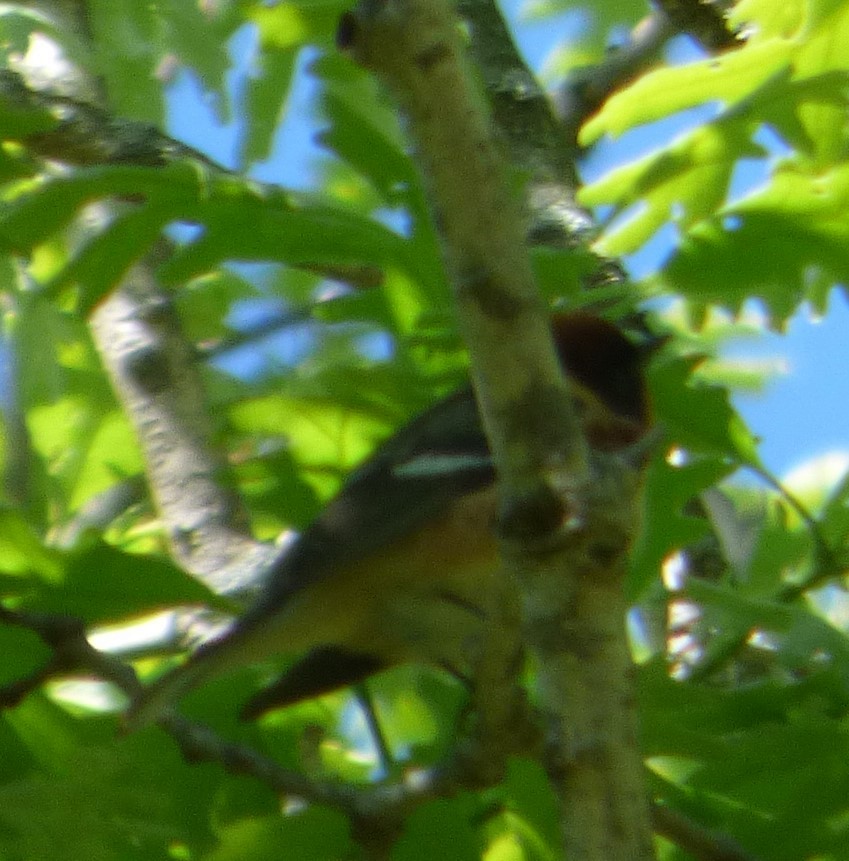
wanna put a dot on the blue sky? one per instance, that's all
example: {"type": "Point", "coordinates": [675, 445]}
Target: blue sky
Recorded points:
{"type": "Point", "coordinates": [803, 412]}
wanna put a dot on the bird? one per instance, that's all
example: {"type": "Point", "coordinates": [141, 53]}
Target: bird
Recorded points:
{"type": "Point", "coordinates": [398, 565]}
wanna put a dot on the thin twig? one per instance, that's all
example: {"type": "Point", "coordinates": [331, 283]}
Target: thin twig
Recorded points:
{"type": "Point", "coordinates": [585, 89]}
{"type": "Point", "coordinates": [828, 565]}
{"type": "Point", "coordinates": [366, 703]}
{"type": "Point", "coordinates": [702, 843]}
{"type": "Point", "coordinates": [72, 653]}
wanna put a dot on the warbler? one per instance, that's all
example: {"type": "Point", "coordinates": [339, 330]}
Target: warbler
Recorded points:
{"type": "Point", "coordinates": [399, 565]}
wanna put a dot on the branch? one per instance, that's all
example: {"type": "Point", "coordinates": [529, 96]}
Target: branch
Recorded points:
{"type": "Point", "coordinates": [700, 842]}
{"type": "Point", "coordinates": [829, 564]}
{"type": "Point", "coordinates": [154, 375]}
{"type": "Point", "coordinates": [567, 517]}
{"type": "Point", "coordinates": [71, 652]}
{"type": "Point", "coordinates": [137, 332]}
{"type": "Point", "coordinates": [537, 143]}
{"type": "Point", "coordinates": [586, 89]}
{"type": "Point", "coordinates": [76, 132]}
{"type": "Point", "coordinates": [529, 132]}
{"type": "Point", "coordinates": [377, 812]}
{"type": "Point", "coordinates": [100, 510]}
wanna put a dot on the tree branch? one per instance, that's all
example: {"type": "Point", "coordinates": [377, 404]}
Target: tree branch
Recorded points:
{"type": "Point", "coordinates": [585, 89]}
{"type": "Point", "coordinates": [138, 334]}
{"type": "Point", "coordinates": [154, 375]}
{"type": "Point", "coordinates": [529, 133]}
{"type": "Point", "coordinates": [377, 812]}
{"type": "Point", "coordinates": [76, 132]}
{"type": "Point", "coordinates": [702, 843]}
{"type": "Point", "coordinates": [567, 517]}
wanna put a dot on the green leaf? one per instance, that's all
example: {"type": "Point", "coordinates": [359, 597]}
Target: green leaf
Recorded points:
{"type": "Point", "coordinates": [600, 21]}
{"type": "Point", "coordinates": [101, 584]}
{"type": "Point", "coordinates": [267, 94]}
{"type": "Point", "coordinates": [698, 416]}
{"type": "Point", "coordinates": [783, 102]}
{"type": "Point", "coordinates": [667, 524]}
{"type": "Point", "coordinates": [277, 493]}
{"type": "Point", "coordinates": [772, 19]}
{"type": "Point", "coordinates": [314, 834]}
{"type": "Point", "coordinates": [363, 129]}
{"type": "Point", "coordinates": [312, 237]}
{"type": "Point", "coordinates": [367, 149]}
{"type": "Point", "coordinates": [728, 79]}
{"type": "Point", "coordinates": [687, 181]}
{"type": "Point", "coordinates": [327, 439]}
{"type": "Point", "coordinates": [243, 222]}
{"type": "Point", "coordinates": [134, 32]}
{"type": "Point", "coordinates": [824, 49]}
{"type": "Point", "coordinates": [18, 123]}
{"type": "Point", "coordinates": [23, 653]}
{"type": "Point", "coordinates": [61, 809]}
{"type": "Point", "coordinates": [15, 166]}
{"type": "Point", "coordinates": [418, 709]}
{"type": "Point", "coordinates": [78, 438]}
{"type": "Point", "coordinates": [298, 22]}
{"type": "Point", "coordinates": [560, 272]}
{"type": "Point", "coordinates": [529, 793]}
{"type": "Point", "coordinates": [22, 552]}
{"type": "Point", "coordinates": [781, 555]}
{"type": "Point", "coordinates": [802, 635]}
{"type": "Point", "coordinates": [715, 264]}
{"type": "Point", "coordinates": [440, 829]}
{"type": "Point", "coordinates": [693, 720]}
{"type": "Point", "coordinates": [17, 25]}
{"type": "Point", "coordinates": [834, 519]}
{"type": "Point", "coordinates": [104, 261]}
{"type": "Point", "coordinates": [37, 215]}
{"type": "Point", "coordinates": [198, 35]}
{"type": "Point", "coordinates": [52, 737]}
{"type": "Point", "coordinates": [87, 443]}
{"type": "Point", "coordinates": [205, 304]}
